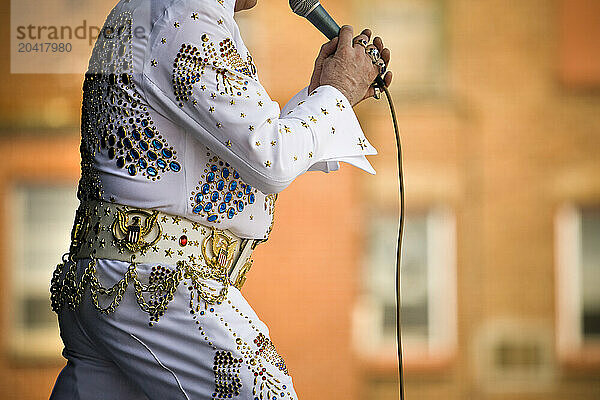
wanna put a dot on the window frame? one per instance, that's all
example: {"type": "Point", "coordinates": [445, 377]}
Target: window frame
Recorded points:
{"type": "Point", "coordinates": [572, 350]}
{"type": "Point", "coordinates": [437, 351]}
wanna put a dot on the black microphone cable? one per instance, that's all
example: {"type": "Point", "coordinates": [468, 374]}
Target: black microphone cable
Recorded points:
{"type": "Point", "coordinates": [399, 246]}
{"type": "Point", "coordinates": [316, 14]}
{"type": "Point", "coordinates": [379, 82]}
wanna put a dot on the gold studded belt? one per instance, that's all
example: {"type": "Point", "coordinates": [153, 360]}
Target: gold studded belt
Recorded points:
{"type": "Point", "coordinates": [111, 231]}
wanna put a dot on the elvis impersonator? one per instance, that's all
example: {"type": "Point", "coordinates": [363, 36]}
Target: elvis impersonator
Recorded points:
{"type": "Point", "coordinates": [182, 156]}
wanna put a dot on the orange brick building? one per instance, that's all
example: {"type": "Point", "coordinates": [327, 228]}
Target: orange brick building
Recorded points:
{"type": "Point", "coordinates": [498, 103]}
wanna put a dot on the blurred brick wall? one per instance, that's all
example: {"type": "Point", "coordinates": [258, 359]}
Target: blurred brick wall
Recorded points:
{"type": "Point", "coordinates": [505, 147]}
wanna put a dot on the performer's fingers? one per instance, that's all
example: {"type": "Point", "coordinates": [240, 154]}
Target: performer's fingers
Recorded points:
{"type": "Point", "coordinates": [388, 78]}
{"type": "Point", "coordinates": [345, 37]}
{"type": "Point", "coordinates": [360, 38]}
{"type": "Point", "coordinates": [367, 32]}
{"type": "Point", "coordinates": [386, 55]}
{"type": "Point", "coordinates": [378, 42]}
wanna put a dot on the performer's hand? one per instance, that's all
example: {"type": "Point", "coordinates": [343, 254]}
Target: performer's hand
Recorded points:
{"type": "Point", "coordinates": [327, 50]}
{"type": "Point", "coordinates": [349, 68]}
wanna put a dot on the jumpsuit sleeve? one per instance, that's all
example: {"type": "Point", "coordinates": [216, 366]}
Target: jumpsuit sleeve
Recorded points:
{"type": "Point", "coordinates": [194, 72]}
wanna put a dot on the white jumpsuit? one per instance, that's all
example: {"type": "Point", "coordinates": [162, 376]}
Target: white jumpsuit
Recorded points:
{"type": "Point", "coordinates": [175, 119]}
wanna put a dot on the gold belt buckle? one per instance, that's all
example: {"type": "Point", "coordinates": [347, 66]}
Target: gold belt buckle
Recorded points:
{"type": "Point", "coordinates": [222, 248]}
{"type": "Point", "coordinates": [136, 230]}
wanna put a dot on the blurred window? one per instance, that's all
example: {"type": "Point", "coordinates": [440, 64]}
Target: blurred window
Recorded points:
{"type": "Point", "coordinates": [590, 273]}
{"type": "Point", "coordinates": [41, 219]}
{"type": "Point", "coordinates": [578, 257]}
{"type": "Point", "coordinates": [428, 285]}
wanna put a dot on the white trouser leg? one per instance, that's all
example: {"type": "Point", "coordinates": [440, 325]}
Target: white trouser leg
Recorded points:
{"type": "Point", "coordinates": [195, 351]}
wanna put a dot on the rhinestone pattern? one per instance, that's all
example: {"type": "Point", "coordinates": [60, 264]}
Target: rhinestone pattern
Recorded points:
{"type": "Point", "coordinates": [116, 123]}
{"type": "Point", "coordinates": [227, 375]}
{"type": "Point", "coordinates": [221, 193]}
{"type": "Point", "coordinates": [192, 63]}
{"type": "Point", "coordinates": [267, 350]}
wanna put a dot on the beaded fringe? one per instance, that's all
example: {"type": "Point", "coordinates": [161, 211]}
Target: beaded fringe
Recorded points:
{"type": "Point", "coordinates": [153, 298]}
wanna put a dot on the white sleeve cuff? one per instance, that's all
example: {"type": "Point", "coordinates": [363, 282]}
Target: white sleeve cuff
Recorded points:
{"type": "Point", "coordinates": [293, 103]}
{"type": "Point", "coordinates": [335, 127]}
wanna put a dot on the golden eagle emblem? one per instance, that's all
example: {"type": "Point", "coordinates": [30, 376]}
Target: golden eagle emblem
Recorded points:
{"type": "Point", "coordinates": [222, 248]}
{"type": "Point", "coordinates": [131, 228]}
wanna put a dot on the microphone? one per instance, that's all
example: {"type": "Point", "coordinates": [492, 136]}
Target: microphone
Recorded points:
{"type": "Point", "coordinates": [313, 11]}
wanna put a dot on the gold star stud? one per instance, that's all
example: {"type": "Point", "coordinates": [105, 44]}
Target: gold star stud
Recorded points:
{"type": "Point", "coordinates": [362, 143]}
{"type": "Point", "coordinates": [168, 253]}
{"type": "Point", "coordinates": [268, 164]}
